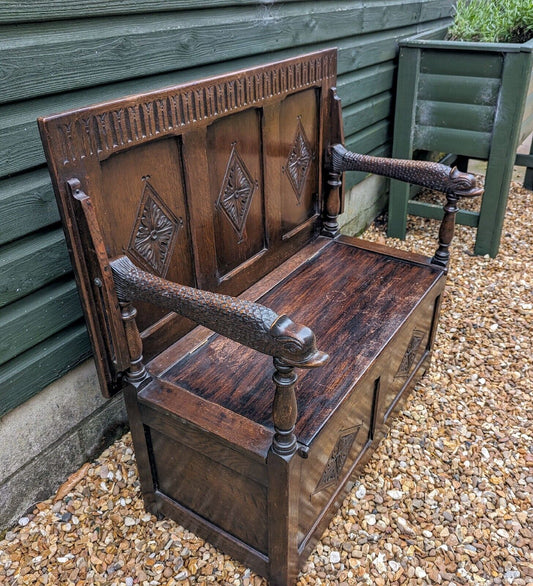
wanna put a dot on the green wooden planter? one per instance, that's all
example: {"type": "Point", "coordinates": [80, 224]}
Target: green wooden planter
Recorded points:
{"type": "Point", "coordinates": [474, 100]}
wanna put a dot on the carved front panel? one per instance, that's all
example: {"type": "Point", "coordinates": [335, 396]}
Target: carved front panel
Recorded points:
{"type": "Point", "coordinates": [411, 355]}
{"type": "Point", "coordinates": [337, 459]}
{"type": "Point", "coordinates": [410, 349]}
{"type": "Point", "coordinates": [335, 451]}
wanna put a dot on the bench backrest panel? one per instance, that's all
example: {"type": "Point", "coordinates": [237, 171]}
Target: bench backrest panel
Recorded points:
{"type": "Point", "coordinates": [210, 184]}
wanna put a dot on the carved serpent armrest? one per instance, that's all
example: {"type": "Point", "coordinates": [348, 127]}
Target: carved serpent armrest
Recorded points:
{"type": "Point", "coordinates": [250, 324]}
{"type": "Point", "coordinates": [424, 173]}
{"type": "Point", "coordinates": [450, 181]}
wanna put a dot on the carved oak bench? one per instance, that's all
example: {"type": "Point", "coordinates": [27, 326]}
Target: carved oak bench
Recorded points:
{"type": "Point", "coordinates": [215, 203]}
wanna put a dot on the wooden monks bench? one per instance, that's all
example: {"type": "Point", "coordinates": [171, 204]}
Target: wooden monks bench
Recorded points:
{"type": "Point", "coordinates": [215, 203]}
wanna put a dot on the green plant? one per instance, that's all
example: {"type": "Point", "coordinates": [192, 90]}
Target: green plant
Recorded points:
{"type": "Point", "coordinates": [493, 21]}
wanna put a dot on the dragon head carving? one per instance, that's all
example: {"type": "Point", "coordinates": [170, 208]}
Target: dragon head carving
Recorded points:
{"type": "Point", "coordinates": [298, 344]}
{"type": "Point", "coordinates": [463, 184]}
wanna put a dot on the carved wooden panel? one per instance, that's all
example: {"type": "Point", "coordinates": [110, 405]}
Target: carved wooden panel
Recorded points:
{"type": "Point", "coordinates": [155, 231]}
{"type": "Point", "coordinates": [104, 130]}
{"type": "Point", "coordinates": [299, 128]}
{"type": "Point", "coordinates": [337, 459]}
{"type": "Point", "coordinates": [299, 160]}
{"type": "Point", "coordinates": [236, 189]}
{"type": "Point", "coordinates": [405, 356]}
{"type": "Point", "coordinates": [411, 355]}
{"type": "Point", "coordinates": [142, 210]}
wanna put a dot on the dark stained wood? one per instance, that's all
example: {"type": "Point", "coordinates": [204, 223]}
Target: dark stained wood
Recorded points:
{"type": "Point", "coordinates": [235, 503]}
{"type": "Point", "coordinates": [176, 202]}
{"type": "Point", "coordinates": [387, 292]}
{"type": "Point", "coordinates": [159, 197]}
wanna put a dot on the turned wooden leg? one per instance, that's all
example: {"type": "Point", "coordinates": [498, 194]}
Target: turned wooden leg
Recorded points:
{"type": "Point", "coordinates": [330, 225]}
{"type": "Point", "coordinates": [137, 377]}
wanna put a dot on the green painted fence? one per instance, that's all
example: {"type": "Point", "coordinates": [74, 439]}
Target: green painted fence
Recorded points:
{"type": "Point", "coordinates": [60, 54]}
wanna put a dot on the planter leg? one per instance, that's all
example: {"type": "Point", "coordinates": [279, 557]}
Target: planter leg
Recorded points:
{"type": "Point", "coordinates": [528, 179]}
{"type": "Point", "coordinates": [398, 199]}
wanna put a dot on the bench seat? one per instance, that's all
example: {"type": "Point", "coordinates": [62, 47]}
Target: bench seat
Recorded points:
{"type": "Point", "coordinates": [388, 292]}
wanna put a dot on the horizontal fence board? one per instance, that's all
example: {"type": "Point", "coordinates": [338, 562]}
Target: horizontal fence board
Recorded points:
{"type": "Point", "coordinates": [366, 82]}
{"type": "Point", "coordinates": [447, 115]}
{"type": "Point", "coordinates": [31, 263]}
{"type": "Point", "coordinates": [26, 374]}
{"type": "Point", "coordinates": [522, 160]}
{"type": "Point", "coordinates": [12, 11]}
{"type": "Point", "coordinates": [27, 204]}
{"type": "Point", "coordinates": [43, 10]}
{"type": "Point", "coordinates": [451, 140]}
{"type": "Point", "coordinates": [462, 63]}
{"type": "Point", "coordinates": [31, 320]}
{"type": "Point", "coordinates": [463, 90]}
{"type": "Point", "coordinates": [370, 138]}
{"type": "Point", "coordinates": [375, 141]}
{"type": "Point", "coordinates": [365, 113]}
{"type": "Point", "coordinates": [98, 51]}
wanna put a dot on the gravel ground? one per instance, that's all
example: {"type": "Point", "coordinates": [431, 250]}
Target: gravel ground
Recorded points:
{"type": "Point", "coordinates": [446, 498]}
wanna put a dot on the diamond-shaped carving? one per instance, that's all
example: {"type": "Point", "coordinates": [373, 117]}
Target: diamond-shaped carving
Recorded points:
{"type": "Point", "coordinates": [299, 161]}
{"type": "Point", "coordinates": [337, 458]}
{"type": "Point", "coordinates": [409, 357]}
{"type": "Point", "coordinates": [155, 231]}
{"type": "Point", "coordinates": [235, 197]}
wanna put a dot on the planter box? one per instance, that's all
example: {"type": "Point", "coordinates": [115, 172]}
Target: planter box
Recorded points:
{"type": "Point", "coordinates": [474, 100]}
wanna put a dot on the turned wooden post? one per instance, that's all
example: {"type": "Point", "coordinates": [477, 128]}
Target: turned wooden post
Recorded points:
{"type": "Point", "coordinates": [285, 410]}
{"type": "Point", "coordinates": [137, 373]}
{"type": "Point", "coordinates": [446, 231]}
{"type": "Point", "coordinates": [330, 226]}
{"type": "Point", "coordinates": [333, 197]}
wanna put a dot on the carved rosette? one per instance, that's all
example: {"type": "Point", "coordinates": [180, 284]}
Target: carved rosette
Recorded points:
{"type": "Point", "coordinates": [337, 459]}
{"type": "Point", "coordinates": [155, 231]}
{"type": "Point", "coordinates": [235, 197]}
{"type": "Point", "coordinates": [409, 357]}
{"type": "Point", "coordinates": [299, 161]}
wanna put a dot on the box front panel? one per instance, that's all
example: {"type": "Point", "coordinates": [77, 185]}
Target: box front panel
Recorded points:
{"type": "Point", "coordinates": [362, 420]}
{"type": "Point", "coordinates": [211, 488]}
